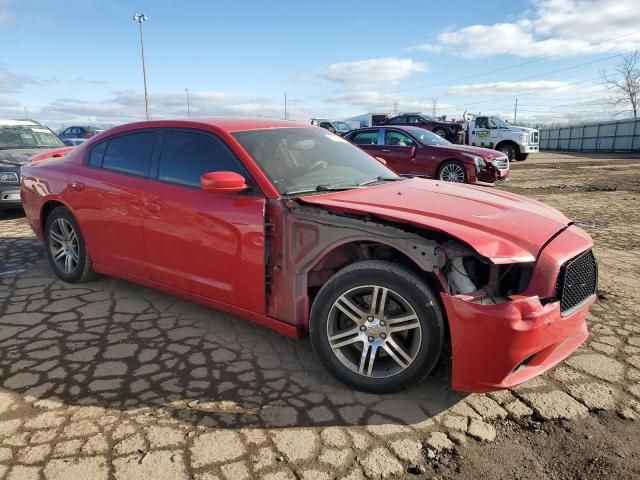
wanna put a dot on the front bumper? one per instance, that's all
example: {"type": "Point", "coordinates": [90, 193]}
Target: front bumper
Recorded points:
{"type": "Point", "coordinates": [529, 148]}
{"type": "Point", "coordinates": [9, 196]}
{"type": "Point", "coordinates": [500, 346]}
{"type": "Point", "coordinates": [497, 346]}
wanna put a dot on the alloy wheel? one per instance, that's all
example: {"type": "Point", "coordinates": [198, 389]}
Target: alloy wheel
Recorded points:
{"type": "Point", "coordinates": [63, 243]}
{"type": "Point", "coordinates": [374, 331]}
{"type": "Point", "coordinates": [452, 172]}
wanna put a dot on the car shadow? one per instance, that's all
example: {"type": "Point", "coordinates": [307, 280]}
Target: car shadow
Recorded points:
{"type": "Point", "coordinates": [113, 344]}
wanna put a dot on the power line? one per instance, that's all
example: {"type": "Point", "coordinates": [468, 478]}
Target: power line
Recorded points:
{"type": "Point", "coordinates": [516, 65]}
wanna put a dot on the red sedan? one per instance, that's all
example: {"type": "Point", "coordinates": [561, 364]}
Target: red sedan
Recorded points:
{"type": "Point", "coordinates": [297, 229]}
{"type": "Point", "coordinates": [418, 152]}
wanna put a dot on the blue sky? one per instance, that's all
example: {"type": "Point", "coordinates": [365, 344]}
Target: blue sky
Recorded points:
{"type": "Point", "coordinates": [78, 61]}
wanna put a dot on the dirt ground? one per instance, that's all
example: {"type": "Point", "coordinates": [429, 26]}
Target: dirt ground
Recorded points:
{"type": "Point", "coordinates": [110, 380]}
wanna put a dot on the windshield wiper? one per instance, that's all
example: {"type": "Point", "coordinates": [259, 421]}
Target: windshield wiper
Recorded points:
{"type": "Point", "coordinates": [380, 179]}
{"type": "Point", "coordinates": [325, 187]}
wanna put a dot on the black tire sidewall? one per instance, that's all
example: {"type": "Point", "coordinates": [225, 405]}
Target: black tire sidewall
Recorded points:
{"type": "Point", "coordinates": [457, 162]}
{"type": "Point", "coordinates": [413, 289]}
{"type": "Point", "coordinates": [511, 156]}
{"type": "Point", "coordinates": [76, 275]}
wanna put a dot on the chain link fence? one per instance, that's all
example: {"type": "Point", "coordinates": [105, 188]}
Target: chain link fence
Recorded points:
{"type": "Point", "coordinates": [616, 136]}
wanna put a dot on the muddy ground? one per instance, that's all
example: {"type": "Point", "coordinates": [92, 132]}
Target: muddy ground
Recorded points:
{"type": "Point", "coordinates": [109, 380]}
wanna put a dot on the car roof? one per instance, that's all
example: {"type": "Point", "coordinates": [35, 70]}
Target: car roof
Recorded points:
{"type": "Point", "coordinates": [229, 124]}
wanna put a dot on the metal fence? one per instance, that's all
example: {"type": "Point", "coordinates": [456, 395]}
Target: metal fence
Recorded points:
{"type": "Point", "coordinates": [616, 136]}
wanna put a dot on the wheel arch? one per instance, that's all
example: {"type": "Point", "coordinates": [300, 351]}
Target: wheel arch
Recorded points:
{"type": "Point", "coordinates": [508, 142]}
{"type": "Point", "coordinates": [48, 207]}
{"type": "Point", "coordinates": [341, 255]}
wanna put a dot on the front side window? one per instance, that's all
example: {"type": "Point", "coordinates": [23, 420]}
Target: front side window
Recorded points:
{"type": "Point", "coordinates": [369, 137]}
{"type": "Point", "coordinates": [186, 156]}
{"type": "Point", "coordinates": [129, 153]}
{"type": "Point", "coordinates": [305, 160]}
{"type": "Point", "coordinates": [397, 139]}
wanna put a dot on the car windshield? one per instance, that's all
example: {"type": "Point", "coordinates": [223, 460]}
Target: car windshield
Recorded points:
{"type": "Point", "coordinates": [342, 125]}
{"type": "Point", "coordinates": [498, 121]}
{"type": "Point", "coordinates": [425, 137]}
{"type": "Point", "coordinates": [28, 136]}
{"type": "Point", "coordinates": [304, 160]}
{"type": "Point", "coordinates": [427, 117]}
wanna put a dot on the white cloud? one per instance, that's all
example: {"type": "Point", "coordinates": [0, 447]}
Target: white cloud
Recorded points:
{"type": "Point", "coordinates": [552, 27]}
{"type": "Point", "coordinates": [127, 106]}
{"type": "Point", "coordinates": [509, 88]}
{"type": "Point", "coordinates": [5, 16]}
{"type": "Point", "coordinates": [11, 82]}
{"type": "Point", "coordinates": [379, 72]}
{"type": "Point", "coordinates": [428, 48]}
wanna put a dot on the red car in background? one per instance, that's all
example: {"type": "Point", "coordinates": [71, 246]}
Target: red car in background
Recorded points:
{"type": "Point", "coordinates": [416, 152]}
{"type": "Point", "coordinates": [297, 229]}
{"type": "Point", "coordinates": [452, 131]}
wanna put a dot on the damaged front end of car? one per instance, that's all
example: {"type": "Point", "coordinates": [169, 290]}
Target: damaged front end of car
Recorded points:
{"type": "Point", "coordinates": [505, 318]}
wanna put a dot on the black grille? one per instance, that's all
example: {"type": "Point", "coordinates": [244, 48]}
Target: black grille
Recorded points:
{"type": "Point", "coordinates": [577, 282]}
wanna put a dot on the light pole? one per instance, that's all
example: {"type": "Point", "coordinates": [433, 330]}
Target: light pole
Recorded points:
{"type": "Point", "coordinates": [141, 17]}
{"type": "Point", "coordinates": [188, 106]}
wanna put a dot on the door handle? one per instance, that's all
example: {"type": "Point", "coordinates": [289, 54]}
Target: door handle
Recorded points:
{"type": "Point", "coordinates": [77, 186]}
{"type": "Point", "coordinates": [152, 207]}
{"type": "Point", "coordinates": [385, 151]}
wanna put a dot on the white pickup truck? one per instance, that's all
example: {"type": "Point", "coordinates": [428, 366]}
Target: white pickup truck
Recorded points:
{"type": "Point", "coordinates": [492, 132]}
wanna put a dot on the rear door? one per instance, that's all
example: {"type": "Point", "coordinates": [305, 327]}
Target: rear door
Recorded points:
{"type": "Point", "coordinates": [106, 195]}
{"type": "Point", "coordinates": [210, 244]}
{"type": "Point", "coordinates": [368, 140]}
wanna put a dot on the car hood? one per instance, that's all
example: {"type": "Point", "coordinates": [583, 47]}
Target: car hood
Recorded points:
{"type": "Point", "coordinates": [18, 156]}
{"type": "Point", "coordinates": [484, 153]}
{"type": "Point", "coordinates": [503, 227]}
{"type": "Point", "coordinates": [522, 129]}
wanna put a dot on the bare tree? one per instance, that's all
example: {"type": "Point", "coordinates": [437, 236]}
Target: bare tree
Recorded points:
{"type": "Point", "coordinates": [625, 84]}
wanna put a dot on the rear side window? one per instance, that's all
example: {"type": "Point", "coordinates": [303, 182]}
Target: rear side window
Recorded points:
{"type": "Point", "coordinates": [129, 153]}
{"type": "Point", "coordinates": [186, 156]}
{"type": "Point", "coordinates": [96, 154]}
{"type": "Point", "coordinates": [366, 138]}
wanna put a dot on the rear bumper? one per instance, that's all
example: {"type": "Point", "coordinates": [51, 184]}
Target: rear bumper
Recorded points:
{"type": "Point", "coordinates": [500, 346]}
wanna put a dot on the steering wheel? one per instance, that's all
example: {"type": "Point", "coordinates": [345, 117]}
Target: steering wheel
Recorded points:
{"type": "Point", "coordinates": [319, 164]}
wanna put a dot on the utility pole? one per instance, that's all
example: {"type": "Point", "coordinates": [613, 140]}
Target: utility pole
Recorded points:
{"type": "Point", "coordinates": [141, 17]}
{"type": "Point", "coordinates": [434, 101]}
{"type": "Point", "coordinates": [515, 112]}
{"type": "Point", "coordinates": [395, 108]}
{"type": "Point", "coordinates": [188, 106]}
{"type": "Point", "coordinates": [26, 113]}
{"type": "Point", "coordinates": [285, 105]}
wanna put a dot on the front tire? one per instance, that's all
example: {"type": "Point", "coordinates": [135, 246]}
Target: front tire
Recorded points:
{"type": "Point", "coordinates": [65, 247]}
{"type": "Point", "coordinates": [377, 327]}
{"type": "Point", "coordinates": [522, 157]}
{"type": "Point", "coordinates": [509, 150]}
{"type": "Point", "coordinates": [452, 171]}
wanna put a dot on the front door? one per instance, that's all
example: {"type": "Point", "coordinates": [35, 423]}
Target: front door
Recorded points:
{"type": "Point", "coordinates": [210, 244]}
{"type": "Point", "coordinates": [399, 152]}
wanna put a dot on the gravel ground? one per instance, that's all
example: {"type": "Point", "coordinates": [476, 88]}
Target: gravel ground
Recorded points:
{"type": "Point", "coordinates": [109, 380]}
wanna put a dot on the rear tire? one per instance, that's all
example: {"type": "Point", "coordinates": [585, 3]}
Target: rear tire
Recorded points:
{"type": "Point", "coordinates": [441, 132]}
{"type": "Point", "coordinates": [66, 249]}
{"type": "Point", "coordinates": [380, 349]}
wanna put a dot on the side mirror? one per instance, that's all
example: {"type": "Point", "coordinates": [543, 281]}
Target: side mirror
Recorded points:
{"type": "Point", "coordinates": [222, 182]}
{"type": "Point", "coordinates": [381, 160]}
